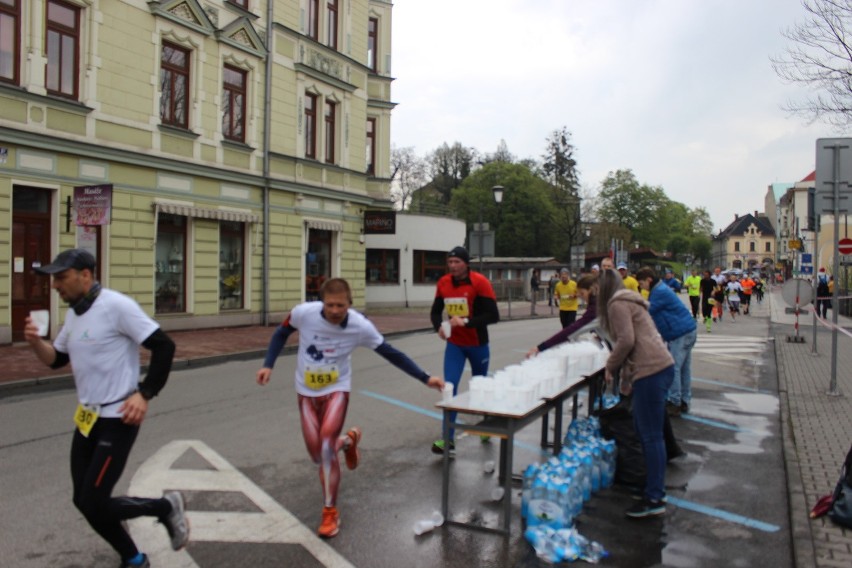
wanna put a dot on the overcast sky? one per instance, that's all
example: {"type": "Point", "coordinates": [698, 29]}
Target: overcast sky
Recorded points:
{"type": "Point", "coordinates": [679, 91]}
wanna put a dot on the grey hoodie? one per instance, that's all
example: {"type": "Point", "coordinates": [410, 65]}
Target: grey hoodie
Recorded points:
{"type": "Point", "coordinates": [637, 348]}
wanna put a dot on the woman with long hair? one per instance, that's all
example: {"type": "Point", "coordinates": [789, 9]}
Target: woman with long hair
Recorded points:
{"type": "Point", "coordinates": [645, 368]}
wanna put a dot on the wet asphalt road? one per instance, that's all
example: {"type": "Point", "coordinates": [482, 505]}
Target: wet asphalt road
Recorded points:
{"type": "Point", "coordinates": [727, 497]}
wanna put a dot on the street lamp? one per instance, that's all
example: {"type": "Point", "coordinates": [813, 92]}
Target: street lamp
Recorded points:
{"type": "Point", "coordinates": [497, 191]}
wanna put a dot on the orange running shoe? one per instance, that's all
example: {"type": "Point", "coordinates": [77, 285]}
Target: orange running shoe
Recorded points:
{"type": "Point", "coordinates": [353, 455]}
{"type": "Point", "coordinates": [330, 525]}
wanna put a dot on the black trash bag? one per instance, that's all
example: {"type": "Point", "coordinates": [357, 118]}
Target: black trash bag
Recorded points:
{"type": "Point", "coordinates": [841, 506]}
{"type": "Point", "coordinates": [617, 424]}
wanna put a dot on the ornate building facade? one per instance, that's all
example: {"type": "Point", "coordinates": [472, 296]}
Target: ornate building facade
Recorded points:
{"type": "Point", "coordinates": [217, 157]}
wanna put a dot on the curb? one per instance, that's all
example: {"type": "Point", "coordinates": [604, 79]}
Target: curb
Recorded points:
{"type": "Point", "coordinates": [801, 536]}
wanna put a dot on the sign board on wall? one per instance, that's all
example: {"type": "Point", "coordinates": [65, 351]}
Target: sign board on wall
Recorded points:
{"type": "Point", "coordinates": [380, 222]}
{"type": "Point", "coordinates": [93, 204]}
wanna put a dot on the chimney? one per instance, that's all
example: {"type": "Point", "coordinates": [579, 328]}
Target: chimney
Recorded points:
{"type": "Point", "coordinates": [755, 213]}
{"type": "Point", "coordinates": [736, 216]}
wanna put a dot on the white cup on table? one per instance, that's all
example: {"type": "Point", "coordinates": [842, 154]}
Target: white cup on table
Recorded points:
{"type": "Point", "coordinates": [42, 320]}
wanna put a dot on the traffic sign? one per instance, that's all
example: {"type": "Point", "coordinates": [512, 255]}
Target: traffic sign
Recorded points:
{"type": "Point", "coordinates": [807, 269]}
{"type": "Point", "coordinates": [806, 258]}
{"type": "Point", "coordinates": [844, 246]}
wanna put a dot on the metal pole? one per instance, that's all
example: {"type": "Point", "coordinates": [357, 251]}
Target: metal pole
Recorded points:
{"type": "Point", "coordinates": [480, 237]}
{"type": "Point", "coordinates": [814, 280]}
{"type": "Point", "coordinates": [832, 388]}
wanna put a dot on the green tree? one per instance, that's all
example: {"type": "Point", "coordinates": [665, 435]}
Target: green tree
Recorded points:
{"type": "Point", "coordinates": [634, 206]}
{"type": "Point", "coordinates": [521, 221]}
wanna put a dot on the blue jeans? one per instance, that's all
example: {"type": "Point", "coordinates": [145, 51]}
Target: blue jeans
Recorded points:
{"type": "Point", "coordinates": [649, 409]}
{"type": "Point", "coordinates": [681, 350]}
{"type": "Point", "coordinates": [454, 358]}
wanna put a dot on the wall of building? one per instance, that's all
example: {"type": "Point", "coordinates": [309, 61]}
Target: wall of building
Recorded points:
{"type": "Point", "coordinates": [112, 134]}
{"type": "Point", "coordinates": [413, 233]}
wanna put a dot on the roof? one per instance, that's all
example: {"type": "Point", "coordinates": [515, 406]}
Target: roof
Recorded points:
{"type": "Point", "coordinates": [810, 177]}
{"type": "Point", "coordinates": [742, 223]}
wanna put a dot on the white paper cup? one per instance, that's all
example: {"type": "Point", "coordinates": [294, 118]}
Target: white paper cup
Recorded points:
{"type": "Point", "coordinates": [448, 392]}
{"type": "Point", "coordinates": [448, 329]}
{"type": "Point", "coordinates": [42, 319]}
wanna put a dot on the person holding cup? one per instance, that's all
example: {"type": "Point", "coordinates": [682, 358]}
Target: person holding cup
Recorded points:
{"type": "Point", "coordinates": [101, 338]}
{"type": "Point", "coordinates": [470, 304]}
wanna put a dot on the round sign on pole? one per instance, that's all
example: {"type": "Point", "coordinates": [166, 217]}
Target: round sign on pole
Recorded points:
{"type": "Point", "coordinates": [844, 246]}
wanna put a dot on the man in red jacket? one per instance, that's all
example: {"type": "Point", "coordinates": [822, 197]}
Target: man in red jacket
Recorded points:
{"type": "Point", "coordinates": [470, 304]}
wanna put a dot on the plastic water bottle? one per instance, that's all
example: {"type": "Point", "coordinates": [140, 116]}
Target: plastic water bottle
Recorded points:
{"type": "Point", "coordinates": [597, 467]}
{"type": "Point", "coordinates": [609, 457]}
{"type": "Point", "coordinates": [526, 492]}
{"type": "Point", "coordinates": [565, 505]}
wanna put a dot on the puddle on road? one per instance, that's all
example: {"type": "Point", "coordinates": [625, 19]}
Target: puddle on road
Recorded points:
{"type": "Point", "coordinates": [754, 414]}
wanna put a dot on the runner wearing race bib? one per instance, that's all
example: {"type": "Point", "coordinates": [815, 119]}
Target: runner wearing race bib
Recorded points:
{"type": "Point", "coordinates": [329, 331]}
{"type": "Point", "coordinates": [470, 304]}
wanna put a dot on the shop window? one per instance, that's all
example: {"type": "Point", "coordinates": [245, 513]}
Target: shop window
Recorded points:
{"type": "Point", "coordinates": [170, 296]}
{"type": "Point", "coordinates": [231, 267]}
{"type": "Point", "coordinates": [383, 266]}
{"type": "Point", "coordinates": [429, 266]}
{"type": "Point", "coordinates": [317, 262]}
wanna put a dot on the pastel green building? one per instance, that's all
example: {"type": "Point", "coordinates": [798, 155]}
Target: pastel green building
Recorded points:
{"type": "Point", "coordinates": [217, 157]}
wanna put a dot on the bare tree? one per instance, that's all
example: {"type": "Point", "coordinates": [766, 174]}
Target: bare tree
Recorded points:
{"type": "Point", "coordinates": [820, 58]}
{"type": "Point", "coordinates": [408, 174]}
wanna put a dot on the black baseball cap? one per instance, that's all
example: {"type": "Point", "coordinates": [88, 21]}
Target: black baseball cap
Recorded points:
{"type": "Point", "coordinates": [77, 259]}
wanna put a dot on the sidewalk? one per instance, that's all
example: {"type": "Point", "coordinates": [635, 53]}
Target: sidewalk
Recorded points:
{"type": "Point", "coordinates": [817, 431]}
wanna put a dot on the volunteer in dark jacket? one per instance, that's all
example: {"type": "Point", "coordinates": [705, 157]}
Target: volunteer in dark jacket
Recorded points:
{"type": "Point", "coordinates": [646, 368]}
{"type": "Point", "coordinates": [678, 329]}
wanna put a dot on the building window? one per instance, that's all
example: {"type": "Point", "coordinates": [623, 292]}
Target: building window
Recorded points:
{"type": "Point", "coordinates": [241, 3]}
{"type": "Point", "coordinates": [330, 119]}
{"type": "Point", "coordinates": [234, 104]}
{"type": "Point", "coordinates": [736, 246]}
{"type": "Point", "coordinates": [752, 246]}
{"type": "Point", "coordinates": [231, 269]}
{"type": "Point", "coordinates": [373, 44]}
{"type": "Point", "coordinates": [332, 24]}
{"type": "Point", "coordinates": [768, 246]}
{"type": "Point", "coordinates": [313, 19]}
{"type": "Point", "coordinates": [310, 126]}
{"type": "Point", "coordinates": [170, 261]}
{"type": "Point", "coordinates": [174, 85]}
{"type": "Point", "coordinates": [429, 266]}
{"type": "Point", "coordinates": [371, 146]}
{"type": "Point", "coordinates": [383, 266]}
{"type": "Point", "coordinates": [10, 40]}
{"type": "Point", "coordinates": [62, 49]}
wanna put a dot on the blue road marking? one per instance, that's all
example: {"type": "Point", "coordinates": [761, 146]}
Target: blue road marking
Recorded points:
{"type": "Point", "coordinates": [731, 386]}
{"type": "Point", "coordinates": [714, 423]}
{"type": "Point", "coordinates": [405, 405]}
{"type": "Point", "coordinates": [724, 515]}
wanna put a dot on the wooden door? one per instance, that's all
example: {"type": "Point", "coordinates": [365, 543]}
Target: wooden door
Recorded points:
{"type": "Point", "coordinates": [30, 246]}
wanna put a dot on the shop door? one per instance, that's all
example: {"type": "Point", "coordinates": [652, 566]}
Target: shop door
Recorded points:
{"type": "Point", "coordinates": [30, 246]}
{"type": "Point", "coordinates": [317, 262]}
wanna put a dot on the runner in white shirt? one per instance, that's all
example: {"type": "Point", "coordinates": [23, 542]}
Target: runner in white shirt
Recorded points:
{"type": "Point", "coordinates": [733, 289]}
{"type": "Point", "coordinates": [101, 337]}
{"type": "Point", "coordinates": [329, 331]}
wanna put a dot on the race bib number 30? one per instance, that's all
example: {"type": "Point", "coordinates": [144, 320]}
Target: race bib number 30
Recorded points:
{"type": "Point", "coordinates": [457, 307]}
{"type": "Point", "coordinates": [320, 377]}
{"type": "Point", "coordinates": [85, 417]}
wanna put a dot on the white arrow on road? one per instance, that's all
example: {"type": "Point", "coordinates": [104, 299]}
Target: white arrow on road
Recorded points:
{"type": "Point", "coordinates": [273, 525]}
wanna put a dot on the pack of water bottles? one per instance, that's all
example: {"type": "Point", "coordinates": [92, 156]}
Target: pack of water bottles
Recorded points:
{"type": "Point", "coordinates": [554, 491]}
{"type": "Point", "coordinates": [563, 545]}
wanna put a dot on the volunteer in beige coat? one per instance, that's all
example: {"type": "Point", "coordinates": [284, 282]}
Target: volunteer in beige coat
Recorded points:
{"type": "Point", "coordinates": [646, 369]}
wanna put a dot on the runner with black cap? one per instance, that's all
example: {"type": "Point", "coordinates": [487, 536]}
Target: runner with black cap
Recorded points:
{"type": "Point", "coordinates": [469, 301]}
{"type": "Point", "coordinates": [101, 338]}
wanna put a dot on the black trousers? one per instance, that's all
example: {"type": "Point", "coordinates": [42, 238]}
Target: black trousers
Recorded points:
{"type": "Point", "coordinates": [694, 301]}
{"type": "Point", "coordinates": [567, 317]}
{"type": "Point", "coordinates": [96, 466]}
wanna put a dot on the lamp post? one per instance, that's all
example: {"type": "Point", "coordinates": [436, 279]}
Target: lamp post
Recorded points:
{"type": "Point", "coordinates": [497, 191]}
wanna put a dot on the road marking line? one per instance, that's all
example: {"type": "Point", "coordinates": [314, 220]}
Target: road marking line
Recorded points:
{"type": "Point", "coordinates": [724, 515]}
{"type": "Point", "coordinates": [731, 386]}
{"type": "Point", "coordinates": [273, 525]}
